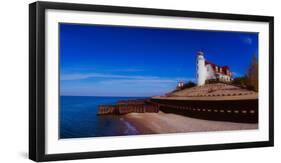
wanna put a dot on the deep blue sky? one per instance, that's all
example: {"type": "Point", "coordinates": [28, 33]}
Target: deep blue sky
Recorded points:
{"type": "Point", "coordinates": [100, 60]}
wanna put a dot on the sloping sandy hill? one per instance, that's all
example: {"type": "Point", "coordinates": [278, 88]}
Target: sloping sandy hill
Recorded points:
{"type": "Point", "coordinates": [211, 90]}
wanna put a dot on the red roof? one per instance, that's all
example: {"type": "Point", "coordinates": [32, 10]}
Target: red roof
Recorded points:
{"type": "Point", "coordinates": [224, 68]}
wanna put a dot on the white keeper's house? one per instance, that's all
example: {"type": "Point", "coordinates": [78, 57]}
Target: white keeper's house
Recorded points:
{"type": "Point", "coordinates": [207, 70]}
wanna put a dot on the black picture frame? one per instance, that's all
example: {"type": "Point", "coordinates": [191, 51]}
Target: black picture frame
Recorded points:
{"type": "Point", "coordinates": [37, 80]}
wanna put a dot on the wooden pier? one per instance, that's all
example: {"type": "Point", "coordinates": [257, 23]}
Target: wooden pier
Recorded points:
{"type": "Point", "coordinates": [129, 106]}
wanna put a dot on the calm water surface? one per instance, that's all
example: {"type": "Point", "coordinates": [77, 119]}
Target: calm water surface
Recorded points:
{"type": "Point", "coordinates": [78, 118]}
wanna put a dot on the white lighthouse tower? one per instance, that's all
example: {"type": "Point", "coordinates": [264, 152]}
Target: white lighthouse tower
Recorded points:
{"type": "Point", "coordinates": [201, 69]}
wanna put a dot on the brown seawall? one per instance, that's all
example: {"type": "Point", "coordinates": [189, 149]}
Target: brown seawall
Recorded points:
{"type": "Point", "coordinates": [129, 106]}
{"type": "Point", "coordinates": [245, 111]}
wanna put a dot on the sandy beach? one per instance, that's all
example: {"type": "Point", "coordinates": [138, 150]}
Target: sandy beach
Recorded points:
{"type": "Point", "coordinates": [155, 123]}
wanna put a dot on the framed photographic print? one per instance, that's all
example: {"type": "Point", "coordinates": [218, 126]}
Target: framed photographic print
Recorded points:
{"type": "Point", "coordinates": [117, 81]}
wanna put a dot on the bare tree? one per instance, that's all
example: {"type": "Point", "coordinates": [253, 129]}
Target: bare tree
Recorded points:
{"type": "Point", "coordinates": [253, 74]}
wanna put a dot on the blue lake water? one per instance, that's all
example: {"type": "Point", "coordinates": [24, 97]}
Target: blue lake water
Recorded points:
{"type": "Point", "coordinates": [78, 118]}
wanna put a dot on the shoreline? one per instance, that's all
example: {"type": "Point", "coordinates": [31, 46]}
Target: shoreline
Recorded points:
{"type": "Point", "coordinates": [161, 123]}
